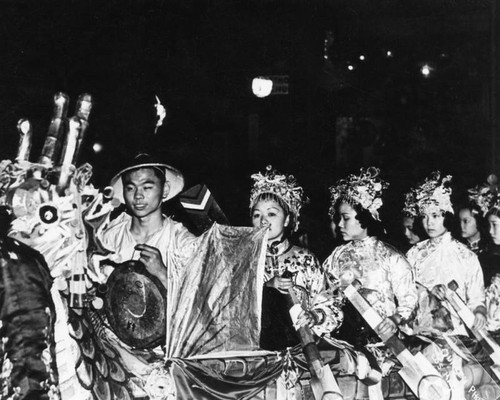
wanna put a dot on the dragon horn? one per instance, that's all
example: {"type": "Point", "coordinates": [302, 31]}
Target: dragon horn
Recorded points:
{"type": "Point", "coordinates": [83, 109]}
{"type": "Point", "coordinates": [24, 148]}
{"type": "Point", "coordinates": [52, 142]}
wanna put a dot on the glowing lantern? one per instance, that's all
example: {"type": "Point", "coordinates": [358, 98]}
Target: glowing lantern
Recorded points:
{"type": "Point", "coordinates": [262, 87]}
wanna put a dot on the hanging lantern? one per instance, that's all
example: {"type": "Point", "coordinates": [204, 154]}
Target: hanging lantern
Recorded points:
{"type": "Point", "coordinates": [262, 87]}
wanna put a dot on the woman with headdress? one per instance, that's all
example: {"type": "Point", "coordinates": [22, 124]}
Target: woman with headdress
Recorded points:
{"type": "Point", "coordinates": [275, 203]}
{"type": "Point", "coordinates": [441, 259]}
{"type": "Point", "coordinates": [413, 230]}
{"type": "Point", "coordinates": [436, 263]}
{"type": "Point", "coordinates": [486, 200]}
{"type": "Point", "coordinates": [472, 220]}
{"type": "Point", "coordinates": [383, 271]}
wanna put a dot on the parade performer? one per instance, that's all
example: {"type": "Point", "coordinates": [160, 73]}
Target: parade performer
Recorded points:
{"type": "Point", "coordinates": [293, 273]}
{"type": "Point", "coordinates": [143, 232]}
{"type": "Point", "coordinates": [485, 197]}
{"type": "Point", "coordinates": [440, 259]}
{"type": "Point", "coordinates": [275, 203]}
{"type": "Point", "coordinates": [215, 306]}
{"type": "Point", "coordinates": [27, 351]}
{"type": "Point", "coordinates": [384, 273]}
{"type": "Point", "coordinates": [436, 262]}
{"type": "Point", "coordinates": [413, 230]}
{"type": "Point", "coordinates": [473, 230]}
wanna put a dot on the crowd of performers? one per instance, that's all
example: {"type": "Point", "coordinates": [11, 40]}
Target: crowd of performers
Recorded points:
{"type": "Point", "coordinates": [409, 291]}
{"type": "Point", "coordinates": [367, 306]}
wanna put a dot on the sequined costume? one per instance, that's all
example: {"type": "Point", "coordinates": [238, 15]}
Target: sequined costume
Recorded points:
{"type": "Point", "coordinates": [441, 260]}
{"type": "Point", "coordinates": [277, 328]}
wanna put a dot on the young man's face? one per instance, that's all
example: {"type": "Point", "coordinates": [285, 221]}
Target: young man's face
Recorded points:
{"type": "Point", "coordinates": [143, 192]}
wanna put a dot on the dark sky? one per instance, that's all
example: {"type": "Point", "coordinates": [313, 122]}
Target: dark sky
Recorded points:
{"type": "Point", "coordinates": [199, 58]}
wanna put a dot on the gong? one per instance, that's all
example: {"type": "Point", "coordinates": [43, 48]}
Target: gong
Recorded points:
{"type": "Point", "coordinates": [135, 304]}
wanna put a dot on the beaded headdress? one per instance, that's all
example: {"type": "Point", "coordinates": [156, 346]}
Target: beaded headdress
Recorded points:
{"type": "Point", "coordinates": [364, 189]}
{"type": "Point", "coordinates": [485, 196]}
{"type": "Point", "coordinates": [434, 194]}
{"type": "Point", "coordinates": [283, 186]}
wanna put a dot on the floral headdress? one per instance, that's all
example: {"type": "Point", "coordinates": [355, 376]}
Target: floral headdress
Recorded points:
{"type": "Point", "coordinates": [365, 190]}
{"type": "Point", "coordinates": [485, 196]}
{"type": "Point", "coordinates": [434, 194]}
{"type": "Point", "coordinates": [410, 207]}
{"type": "Point", "coordinates": [283, 186]}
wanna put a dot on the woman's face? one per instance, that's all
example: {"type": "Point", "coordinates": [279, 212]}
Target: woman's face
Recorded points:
{"type": "Point", "coordinates": [410, 235]}
{"type": "Point", "coordinates": [468, 224]}
{"type": "Point", "coordinates": [268, 213]}
{"type": "Point", "coordinates": [433, 223]}
{"type": "Point", "coordinates": [494, 223]}
{"type": "Point", "coordinates": [350, 227]}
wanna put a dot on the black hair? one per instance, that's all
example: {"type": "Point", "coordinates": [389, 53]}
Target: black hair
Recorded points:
{"type": "Point", "coordinates": [365, 218]}
{"type": "Point", "coordinates": [268, 196]}
{"type": "Point", "coordinates": [159, 173]}
{"type": "Point", "coordinates": [493, 211]}
{"type": "Point", "coordinates": [481, 222]}
{"type": "Point", "coordinates": [449, 220]}
{"type": "Point", "coordinates": [418, 227]}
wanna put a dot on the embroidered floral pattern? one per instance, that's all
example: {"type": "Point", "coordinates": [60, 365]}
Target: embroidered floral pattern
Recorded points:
{"type": "Point", "coordinates": [309, 283]}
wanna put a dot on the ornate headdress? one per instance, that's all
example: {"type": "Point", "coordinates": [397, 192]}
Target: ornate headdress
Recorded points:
{"type": "Point", "coordinates": [365, 190]}
{"type": "Point", "coordinates": [485, 196]}
{"type": "Point", "coordinates": [433, 194]}
{"type": "Point", "coordinates": [410, 207]}
{"type": "Point", "coordinates": [283, 186]}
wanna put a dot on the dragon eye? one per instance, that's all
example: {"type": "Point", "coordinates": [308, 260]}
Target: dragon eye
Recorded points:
{"type": "Point", "coordinates": [48, 214]}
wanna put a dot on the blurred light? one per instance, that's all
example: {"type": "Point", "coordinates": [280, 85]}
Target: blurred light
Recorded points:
{"type": "Point", "coordinates": [362, 57]}
{"type": "Point", "coordinates": [25, 126]}
{"type": "Point", "coordinates": [262, 87]}
{"type": "Point", "coordinates": [97, 147]}
{"type": "Point", "coordinates": [425, 70]}
{"type": "Point", "coordinates": [350, 67]}
{"type": "Point", "coordinates": [388, 53]}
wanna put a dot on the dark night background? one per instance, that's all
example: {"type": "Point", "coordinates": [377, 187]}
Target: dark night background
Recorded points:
{"type": "Point", "coordinates": [199, 57]}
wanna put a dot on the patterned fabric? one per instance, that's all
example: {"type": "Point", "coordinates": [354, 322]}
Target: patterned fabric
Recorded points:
{"type": "Point", "coordinates": [215, 279]}
{"type": "Point", "coordinates": [309, 281]}
{"type": "Point", "coordinates": [383, 271]}
{"type": "Point", "coordinates": [441, 260]}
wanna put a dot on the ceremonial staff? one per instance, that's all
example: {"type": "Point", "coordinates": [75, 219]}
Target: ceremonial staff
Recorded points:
{"type": "Point", "coordinates": [323, 383]}
{"type": "Point", "coordinates": [487, 342]}
{"type": "Point", "coordinates": [418, 373]}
